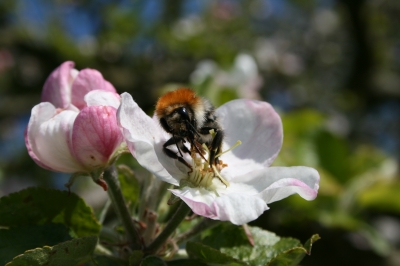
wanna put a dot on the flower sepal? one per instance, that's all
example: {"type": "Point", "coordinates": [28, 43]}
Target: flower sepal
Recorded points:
{"type": "Point", "coordinates": [173, 199]}
{"type": "Point", "coordinates": [96, 175]}
{"type": "Point", "coordinates": [100, 181]}
{"type": "Point", "coordinates": [122, 149]}
{"type": "Point", "coordinates": [72, 179]}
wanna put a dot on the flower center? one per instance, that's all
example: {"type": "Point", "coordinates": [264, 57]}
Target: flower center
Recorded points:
{"type": "Point", "coordinates": [204, 174]}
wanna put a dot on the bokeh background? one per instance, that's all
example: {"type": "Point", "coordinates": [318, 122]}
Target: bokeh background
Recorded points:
{"type": "Point", "coordinates": [330, 67]}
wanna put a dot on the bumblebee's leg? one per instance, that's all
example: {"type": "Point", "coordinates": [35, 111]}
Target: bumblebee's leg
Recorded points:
{"type": "Point", "coordinates": [216, 142]}
{"type": "Point", "coordinates": [173, 154]}
{"type": "Point", "coordinates": [216, 147]}
{"type": "Point", "coordinates": [182, 147]}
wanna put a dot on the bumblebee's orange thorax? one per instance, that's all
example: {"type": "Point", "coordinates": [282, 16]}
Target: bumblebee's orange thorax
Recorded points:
{"type": "Point", "coordinates": [171, 100]}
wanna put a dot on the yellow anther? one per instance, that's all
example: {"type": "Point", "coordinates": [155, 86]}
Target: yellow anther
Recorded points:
{"type": "Point", "coordinates": [203, 173]}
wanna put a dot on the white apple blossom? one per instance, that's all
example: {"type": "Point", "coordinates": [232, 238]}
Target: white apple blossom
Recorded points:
{"type": "Point", "coordinates": [251, 183]}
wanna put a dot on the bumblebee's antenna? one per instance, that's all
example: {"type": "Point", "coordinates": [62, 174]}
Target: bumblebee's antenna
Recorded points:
{"type": "Point", "coordinates": [198, 150]}
{"type": "Point", "coordinates": [194, 129]}
{"type": "Point", "coordinates": [192, 140]}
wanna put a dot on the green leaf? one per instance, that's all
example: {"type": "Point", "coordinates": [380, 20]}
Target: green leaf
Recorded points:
{"type": "Point", "coordinates": [383, 196]}
{"type": "Point", "coordinates": [135, 258]}
{"type": "Point", "coordinates": [330, 146]}
{"type": "Point", "coordinates": [210, 255]}
{"type": "Point", "coordinates": [130, 188]}
{"type": "Point", "coordinates": [300, 129]}
{"type": "Point", "coordinates": [225, 235]}
{"type": "Point", "coordinates": [292, 257]}
{"type": "Point", "coordinates": [302, 122]}
{"type": "Point", "coordinates": [366, 158]}
{"type": "Point", "coordinates": [35, 206]}
{"type": "Point", "coordinates": [232, 241]}
{"type": "Point", "coordinates": [15, 241]}
{"type": "Point", "coordinates": [102, 260]}
{"type": "Point", "coordinates": [226, 95]}
{"type": "Point", "coordinates": [185, 262]}
{"type": "Point", "coordinates": [308, 245]}
{"type": "Point", "coordinates": [153, 261]}
{"type": "Point", "coordinates": [375, 239]}
{"type": "Point", "coordinates": [68, 253]}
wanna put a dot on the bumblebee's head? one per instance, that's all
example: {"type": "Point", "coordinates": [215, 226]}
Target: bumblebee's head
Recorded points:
{"type": "Point", "coordinates": [184, 114]}
{"type": "Point", "coordinates": [176, 111]}
{"type": "Point", "coordinates": [178, 122]}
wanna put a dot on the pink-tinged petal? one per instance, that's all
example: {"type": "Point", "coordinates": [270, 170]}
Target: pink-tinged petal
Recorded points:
{"type": "Point", "coordinates": [145, 138]}
{"type": "Point", "coordinates": [95, 136]}
{"type": "Point", "coordinates": [234, 207]}
{"type": "Point", "coordinates": [276, 183]}
{"type": "Point", "coordinates": [47, 138]}
{"type": "Point", "coordinates": [258, 127]}
{"type": "Point", "coordinates": [108, 87]}
{"type": "Point", "coordinates": [105, 98]}
{"type": "Point", "coordinates": [88, 80]}
{"type": "Point", "coordinates": [57, 88]}
{"type": "Point", "coordinates": [32, 153]}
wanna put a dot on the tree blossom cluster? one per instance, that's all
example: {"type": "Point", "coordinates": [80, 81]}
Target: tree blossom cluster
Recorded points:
{"type": "Point", "coordinates": [83, 124]}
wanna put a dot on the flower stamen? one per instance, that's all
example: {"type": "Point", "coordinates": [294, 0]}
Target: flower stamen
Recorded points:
{"type": "Point", "coordinates": [203, 173]}
{"type": "Point", "coordinates": [231, 148]}
{"type": "Point", "coordinates": [226, 183]}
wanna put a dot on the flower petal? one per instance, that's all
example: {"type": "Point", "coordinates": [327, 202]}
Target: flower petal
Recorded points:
{"type": "Point", "coordinates": [88, 80]}
{"type": "Point", "coordinates": [107, 86]}
{"type": "Point", "coordinates": [276, 183]}
{"type": "Point", "coordinates": [47, 137]}
{"type": "Point", "coordinates": [145, 137]}
{"type": "Point", "coordinates": [105, 98]}
{"type": "Point", "coordinates": [235, 207]}
{"type": "Point", "coordinates": [57, 88]}
{"type": "Point", "coordinates": [95, 136]}
{"type": "Point", "coordinates": [258, 127]}
{"type": "Point", "coordinates": [32, 153]}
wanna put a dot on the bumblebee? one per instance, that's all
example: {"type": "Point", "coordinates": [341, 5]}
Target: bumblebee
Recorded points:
{"type": "Point", "coordinates": [189, 118]}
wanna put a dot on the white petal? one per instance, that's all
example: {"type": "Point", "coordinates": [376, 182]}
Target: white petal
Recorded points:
{"type": "Point", "coordinates": [48, 134]}
{"type": "Point", "coordinates": [258, 127]}
{"type": "Point", "coordinates": [276, 183]}
{"type": "Point", "coordinates": [237, 208]}
{"type": "Point", "coordinates": [240, 208]}
{"type": "Point", "coordinates": [102, 98]}
{"type": "Point", "coordinates": [145, 138]}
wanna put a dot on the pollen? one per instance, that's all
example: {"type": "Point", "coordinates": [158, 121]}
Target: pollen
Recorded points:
{"type": "Point", "coordinates": [204, 175]}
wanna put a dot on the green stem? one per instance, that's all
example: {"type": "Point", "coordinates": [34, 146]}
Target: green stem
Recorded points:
{"type": "Point", "coordinates": [197, 229]}
{"type": "Point", "coordinates": [176, 219]}
{"type": "Point", "coordinates": [114, 191]}
{"type": "Point", "coordinates": [152, 195]}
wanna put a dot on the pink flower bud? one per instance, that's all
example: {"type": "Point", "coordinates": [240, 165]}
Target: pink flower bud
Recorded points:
{"type": "Point", "coordinates": [75, 128]}
{"type": "Point", "coordinates": [66, 87]}
{"type": "Point", "coordinates": [95, 136]}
